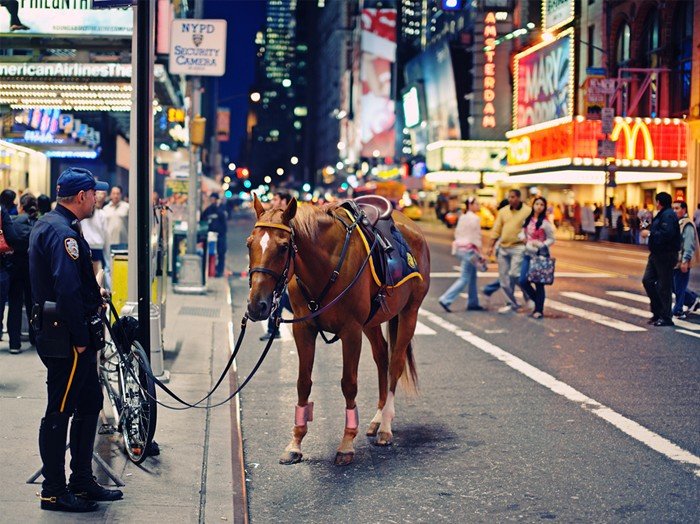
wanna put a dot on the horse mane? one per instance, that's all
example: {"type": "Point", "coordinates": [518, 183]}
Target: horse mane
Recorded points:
{"type": "Point", "coordinates": [308, 219]}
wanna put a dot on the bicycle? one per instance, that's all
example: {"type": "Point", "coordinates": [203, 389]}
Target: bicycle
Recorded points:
{"type": "Point", "coordinates": [125, 375]}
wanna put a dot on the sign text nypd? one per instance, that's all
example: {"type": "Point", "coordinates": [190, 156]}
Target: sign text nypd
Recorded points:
{"type": "Point", "coordinates": [198, 47]}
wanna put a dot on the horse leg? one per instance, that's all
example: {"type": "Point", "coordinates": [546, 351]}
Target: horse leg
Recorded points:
{"type": "Point", "coordinates": [401, 330]}
{"type": "Point", "coordinates": [352, 344]}
{"type": "Point", "coordinates": [380, 352]}
{"type": "Point", "coordinates": [304, 411]}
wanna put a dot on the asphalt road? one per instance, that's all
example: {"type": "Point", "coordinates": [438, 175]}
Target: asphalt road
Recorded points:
{"type": "Point", "coordinates": [586, 415]}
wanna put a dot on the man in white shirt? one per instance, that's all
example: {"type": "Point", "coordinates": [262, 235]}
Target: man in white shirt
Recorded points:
{"type": "Point", "coordinates": [467, 246]}
{"type": "Point", "coordinates": [95, 233]}
{"type": "Point", "coordinates": [116, 216]}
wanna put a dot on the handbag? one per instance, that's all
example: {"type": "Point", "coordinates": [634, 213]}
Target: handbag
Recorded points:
{"type": "Point", "coordinates": [541, 270]}
{"type": "Point", "coordinates": [5, 248]}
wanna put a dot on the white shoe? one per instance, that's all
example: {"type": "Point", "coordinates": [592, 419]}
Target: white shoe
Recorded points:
{"type": "Point", "coordinates": [506, 309]}
{"type": "Point", "coordinates": [695, 306]}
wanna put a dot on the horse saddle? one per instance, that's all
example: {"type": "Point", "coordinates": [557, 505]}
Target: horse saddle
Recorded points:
{"type": "Point", "coordinates": [375, 207]}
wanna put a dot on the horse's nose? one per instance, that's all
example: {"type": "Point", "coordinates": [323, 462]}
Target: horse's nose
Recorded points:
{"type": "Point", "coordinates": [263, 309]}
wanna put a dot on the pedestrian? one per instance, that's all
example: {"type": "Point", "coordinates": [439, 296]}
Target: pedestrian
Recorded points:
{"type": "Point", "coordinates": [66, 300]}
{"type": "Point", "coordinates": [19, 291]}
{"type": "Point", "coordinates": [7, 201]}
{"type": "Point", "coordinates": [467, 247]}
{"type": "Point", "coordinates": [696, 218]}
{"type": "Point", "coordinates": [44, 204]}
{"type": "Point", "coordinates": [507, 230]}
{"type": "Point", "coordinates": [96, 234]}
{"type": "Point", "coordinates": [688, 255]}
{"type": "Point", "coordinates": [664, 236]}
{"type": "Point", "coordinates": [217, 216]}
{"type": "Point", "coordinates": [116, 214]}
{"type": "Point", "coordinates": [490, 288]}
{"type": "Point", "coordinates": [279, 201]}
{"type": "Point", "coordinates": [7, 204]}
{"type": "Point", "coordinates": [12, 7]}
{"type": "Point", "coordinates": [538, 234]}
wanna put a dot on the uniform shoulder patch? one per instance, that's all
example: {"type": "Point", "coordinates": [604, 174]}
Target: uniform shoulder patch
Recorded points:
{"type": "Point", "coordinates": [72, 248]}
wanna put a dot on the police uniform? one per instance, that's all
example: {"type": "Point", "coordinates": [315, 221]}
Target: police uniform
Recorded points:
{"type": "Point", "coordinates": [217, 216]}
{"type": "Point", "coordinates": [61, 273]}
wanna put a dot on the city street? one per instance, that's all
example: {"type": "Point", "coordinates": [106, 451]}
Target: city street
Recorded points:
{"type": "Point", "coordinates": [586, 415]}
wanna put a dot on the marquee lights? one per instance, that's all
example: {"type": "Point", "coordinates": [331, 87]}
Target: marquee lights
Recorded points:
{"type": "Point", "coordinates": [490, 34]}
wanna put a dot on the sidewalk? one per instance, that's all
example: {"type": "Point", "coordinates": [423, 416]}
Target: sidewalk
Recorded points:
{"type": "Point", "coordinates": [191, 480]}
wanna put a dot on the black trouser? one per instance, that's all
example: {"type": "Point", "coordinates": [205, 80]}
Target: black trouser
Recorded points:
{"type": "Point", "coordinates": [20, 293]}
{"type": "Point", "coordinates": [73, 390]}
{"type": "Point", "coordinates": [12, 7]}
{"type": "Point", "coordinates": [658, 283]}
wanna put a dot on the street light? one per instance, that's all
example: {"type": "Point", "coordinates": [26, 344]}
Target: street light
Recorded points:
{"type": "Point", "coordinates": [294, 160]}
{"type": "Point", "coordinates": [232, 166]}
{"type": "Point", "coordinates": [280, 171]}
{"type": "Point", "coordinates": [255, 96]}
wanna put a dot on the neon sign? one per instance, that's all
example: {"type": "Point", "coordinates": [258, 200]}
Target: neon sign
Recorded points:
{"type": "Point", "coordinates": [631, 137]}
{"type": "Point", "coordinates": [489, 118]}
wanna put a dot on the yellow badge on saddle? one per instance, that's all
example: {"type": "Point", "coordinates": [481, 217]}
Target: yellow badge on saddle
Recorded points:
{"type": "Point", "coordinates": [72, 248]}
{"type": "Point", "coordinates": [411, 261]}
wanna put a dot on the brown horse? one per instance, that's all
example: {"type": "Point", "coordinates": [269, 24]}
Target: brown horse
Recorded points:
{"type": "Point", "coordinates": [316, 242]}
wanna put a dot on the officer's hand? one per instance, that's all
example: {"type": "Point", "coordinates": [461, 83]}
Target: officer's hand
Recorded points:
{"type": "Point", "coordinates": [80, 349]}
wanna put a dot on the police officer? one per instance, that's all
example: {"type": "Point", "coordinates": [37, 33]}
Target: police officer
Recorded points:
{"type": "Point", "coordinates": [66, 298]}
{"type": "Point", "coordinates": [217, 216]}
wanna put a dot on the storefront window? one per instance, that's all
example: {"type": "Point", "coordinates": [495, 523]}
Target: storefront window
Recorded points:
{"type": "Point", "coordinates": [623, 46]}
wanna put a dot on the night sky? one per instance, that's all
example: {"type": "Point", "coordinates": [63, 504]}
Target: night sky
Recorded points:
{"type": "Point", "coordinates": [245, 18]}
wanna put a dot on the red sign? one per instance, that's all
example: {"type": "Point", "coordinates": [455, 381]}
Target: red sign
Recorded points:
{"type": "Point", "coordinates": [489, 118]}
{"type": "Point", "coordinates": [644, 140]}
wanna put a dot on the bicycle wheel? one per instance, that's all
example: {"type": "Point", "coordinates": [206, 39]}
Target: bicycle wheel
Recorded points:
{"type": "Point", "coordinates": [109, 377]}
{"type": "Point", "coordinates": [138, 392]}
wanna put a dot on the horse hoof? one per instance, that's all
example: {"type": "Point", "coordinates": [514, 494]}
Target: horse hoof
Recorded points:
{"type": "Point", "coordinates": [383, 439]}
{"type": "Point", "coordinates": [344, 459]}
{"type": "Point", "coordinates": [290, 457]}
{"type": "Point", "coordinates": [372, 430]}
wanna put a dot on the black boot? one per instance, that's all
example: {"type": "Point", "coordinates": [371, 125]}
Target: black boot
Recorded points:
{"type": "Point", "coordinates": [52, 448]}
{"type": "Point", "coordinates": [82, 443]}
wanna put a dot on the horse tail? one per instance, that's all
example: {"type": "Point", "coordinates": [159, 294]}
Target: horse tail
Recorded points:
{"type": "Point", "coordinates": [409, 377]}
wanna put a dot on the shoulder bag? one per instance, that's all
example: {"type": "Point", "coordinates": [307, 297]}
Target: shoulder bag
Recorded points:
{"type": "Point", "coordinates": [5, 248]}
{"type": "Point", "coordinates": [541, 269]}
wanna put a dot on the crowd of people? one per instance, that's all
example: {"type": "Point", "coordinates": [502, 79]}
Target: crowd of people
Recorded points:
{"type": "Point", "coordinates": [522, 233]}
{"type": "Point", "coordinates": [106, 229]}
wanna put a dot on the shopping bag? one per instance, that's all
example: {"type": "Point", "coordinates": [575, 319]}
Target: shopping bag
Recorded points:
{"type": "Point", "coordinates": [541, 270]}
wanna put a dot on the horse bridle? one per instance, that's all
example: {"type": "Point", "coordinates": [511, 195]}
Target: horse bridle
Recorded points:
{"type": "Point", "coordinates": [280, 278]}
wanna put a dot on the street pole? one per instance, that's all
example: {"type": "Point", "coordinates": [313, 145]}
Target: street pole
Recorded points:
{"type": "Point", "coordinates": [144, 32]}
{"type": "Point", "coordinates": [193, 186]}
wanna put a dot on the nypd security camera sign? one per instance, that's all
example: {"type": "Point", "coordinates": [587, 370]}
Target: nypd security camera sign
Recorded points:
{"type": "Point", "coordinates": [198, 47]}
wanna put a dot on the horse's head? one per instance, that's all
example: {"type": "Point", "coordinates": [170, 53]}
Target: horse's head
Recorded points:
{"type": "Point", "coordinates": [270, 250]}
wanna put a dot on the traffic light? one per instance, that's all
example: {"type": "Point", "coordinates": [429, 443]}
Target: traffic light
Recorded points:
{"type": "Point", "coordinates": [197, 130]}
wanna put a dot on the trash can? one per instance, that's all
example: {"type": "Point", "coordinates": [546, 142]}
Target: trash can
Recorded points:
{"type": "Point", "coordinates": [179, 250]}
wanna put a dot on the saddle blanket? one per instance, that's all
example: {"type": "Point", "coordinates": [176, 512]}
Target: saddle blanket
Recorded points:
{"type": "Point", "coordinates": [401, 265]}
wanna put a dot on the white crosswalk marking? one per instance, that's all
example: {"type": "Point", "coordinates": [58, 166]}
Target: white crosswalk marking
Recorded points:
{"type": "Point", "coordinates": [422, 329]}
{"type": "Point", "coordinates": [626, 309]}
{"type": "Point", "coordinates": [494, 274]}
{"type": "Point", "coordinates": [696, 335]}
{"type": "Point", "coordinates": [635, 297]}
{"type": "Point", "coordinates": [595, 317]}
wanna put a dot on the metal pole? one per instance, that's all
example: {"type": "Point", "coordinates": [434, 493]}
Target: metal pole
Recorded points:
{"type": "Point", "coordinates": [193, 185]}
{"type": "Point", "coordinates": [144, 164]}
{"type": "Point", "coordinates": [132, 273]}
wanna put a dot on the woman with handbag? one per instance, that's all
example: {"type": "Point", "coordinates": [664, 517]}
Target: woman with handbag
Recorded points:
{"type": "Point", "coordinates": [538, 234]}
{"type": "Point", "coordinates": [467, 247]}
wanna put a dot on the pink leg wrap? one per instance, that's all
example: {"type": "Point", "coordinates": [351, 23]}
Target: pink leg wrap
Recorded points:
{"type": "Point", "coordinates": [303, 414]}
{"type": "Point", "coordinates": [352, 418]}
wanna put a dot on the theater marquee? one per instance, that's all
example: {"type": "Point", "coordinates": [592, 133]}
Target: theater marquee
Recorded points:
{"type": "Point", "coordinates": [544, 82]}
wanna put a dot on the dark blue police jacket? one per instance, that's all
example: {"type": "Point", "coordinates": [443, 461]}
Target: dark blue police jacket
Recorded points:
{"type": "Point", "coordinates": [60, 270]}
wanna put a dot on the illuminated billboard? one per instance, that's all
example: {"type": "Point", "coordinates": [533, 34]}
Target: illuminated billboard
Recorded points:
{"type": "Point", "coordinates": [377, 117]}
{"type": "Point", "coordinates": [544, 82]}
{"type": "Point", "coordinates": [65, 17]}
{"type": "Point", "coordinates": [556, 13]}
{"type": "Point", "coordinates": [411, 107]}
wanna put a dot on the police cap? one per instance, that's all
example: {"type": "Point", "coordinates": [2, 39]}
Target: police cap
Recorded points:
{"type": "Point", "coordinates": [76, 179]}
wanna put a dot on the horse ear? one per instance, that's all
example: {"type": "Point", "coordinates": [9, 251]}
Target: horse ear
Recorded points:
{"type": "Point", "coordinates": [259, 210]}
{"type": "Point", "coordinates": [290, 212]}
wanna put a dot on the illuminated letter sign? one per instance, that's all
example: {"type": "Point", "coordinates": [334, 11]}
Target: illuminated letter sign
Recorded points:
{"type": "Point", "coordinates": [631, 136]}
{"type": "Point", "coordinates": [489, 118]}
